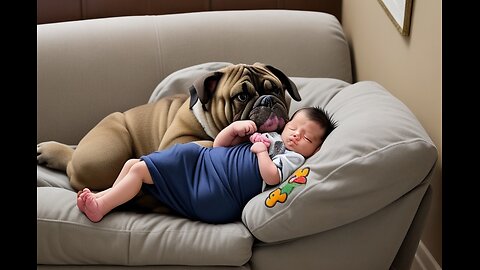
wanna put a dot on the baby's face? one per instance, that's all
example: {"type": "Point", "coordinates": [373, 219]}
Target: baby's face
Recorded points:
{"type": "Point", "coordinates": [302, 135]}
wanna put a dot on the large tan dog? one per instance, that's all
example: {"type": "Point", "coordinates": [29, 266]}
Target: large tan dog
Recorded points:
{"type": "Point", "coordinates": [236, 92]}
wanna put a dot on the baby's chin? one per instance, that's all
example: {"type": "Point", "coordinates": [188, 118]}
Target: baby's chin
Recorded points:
{"type": "Point", "coordinates": [293, 147]}
{"type": "Point", "coordinates": [289, 145]}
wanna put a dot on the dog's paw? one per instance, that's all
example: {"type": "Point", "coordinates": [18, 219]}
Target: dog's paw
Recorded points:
{"type": "Point", "coordinates": [54, 155]}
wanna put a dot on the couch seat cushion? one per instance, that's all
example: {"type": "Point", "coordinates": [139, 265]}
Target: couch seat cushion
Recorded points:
{"type": "Point", "coordinates": [66, 236]}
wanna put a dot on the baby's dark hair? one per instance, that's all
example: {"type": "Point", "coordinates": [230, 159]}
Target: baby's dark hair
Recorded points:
{"type": "Point", "coordinates": [320, 116]}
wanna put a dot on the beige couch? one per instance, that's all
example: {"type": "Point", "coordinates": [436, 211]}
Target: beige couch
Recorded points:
{"type": "Point", "coordinates": [367, 190]}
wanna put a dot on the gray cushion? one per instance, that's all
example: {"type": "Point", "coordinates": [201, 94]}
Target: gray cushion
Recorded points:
{"type": "Point", "coordinates": [66, 236]}
{"type": "Point", "coordinates": [180, 81]}
{"type": "Point", "coordinates": [52, 178]}
{"type": "Point", "coordinates": [378, 153]}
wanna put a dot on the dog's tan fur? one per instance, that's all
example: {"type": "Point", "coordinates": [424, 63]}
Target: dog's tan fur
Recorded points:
{"type": "Point", "coordinates": [214, 103]}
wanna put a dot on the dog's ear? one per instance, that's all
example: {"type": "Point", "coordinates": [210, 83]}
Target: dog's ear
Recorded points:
{"type": "Point", "coordinates": [203, 87]}
{"type": "Point", "coordinates": [287, 83]}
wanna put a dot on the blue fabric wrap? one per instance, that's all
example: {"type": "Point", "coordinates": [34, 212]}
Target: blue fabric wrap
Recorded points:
{"type": "Point", "coordinates": [207, 184]}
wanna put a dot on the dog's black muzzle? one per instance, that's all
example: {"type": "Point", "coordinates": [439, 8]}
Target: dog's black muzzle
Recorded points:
{"type": "Point", "coordinates": [269, 114]}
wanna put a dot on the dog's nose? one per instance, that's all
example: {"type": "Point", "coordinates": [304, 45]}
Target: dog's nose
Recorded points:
{"type": "Point", "coordinates": [267, 101]}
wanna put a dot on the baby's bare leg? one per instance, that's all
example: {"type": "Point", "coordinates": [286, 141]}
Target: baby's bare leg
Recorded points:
{"type": "Point", "coordinates": [81, 194]}
{"type": "Point", "coordinates": [125, 188]}
{"type": "Point", "coordinates": [125, 169]}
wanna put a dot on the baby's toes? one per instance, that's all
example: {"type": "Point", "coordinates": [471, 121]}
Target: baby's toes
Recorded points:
{"type": "Point", "coordinates": [81, 204]}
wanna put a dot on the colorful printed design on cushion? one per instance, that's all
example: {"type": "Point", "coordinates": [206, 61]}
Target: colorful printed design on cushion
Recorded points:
{"type": "Point", "coordinates": [280, 194]}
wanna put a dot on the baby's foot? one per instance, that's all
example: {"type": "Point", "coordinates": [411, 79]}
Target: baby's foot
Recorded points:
{"type": "Point", "coordinates": [92, 209]}
{"type": "Point", "coordinates": [81, 198]}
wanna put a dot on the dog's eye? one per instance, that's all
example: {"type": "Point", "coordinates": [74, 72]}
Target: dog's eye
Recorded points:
{"type": "Point", "coordinates": [242, 97]}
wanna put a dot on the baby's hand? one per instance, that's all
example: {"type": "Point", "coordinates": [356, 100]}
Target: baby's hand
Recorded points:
{"type": "Point", "coordinates": [244, 128]}
{"type": "Point", "coordinates": [258, 137]}
{"type": "Point", "coordinates": [258, 147]}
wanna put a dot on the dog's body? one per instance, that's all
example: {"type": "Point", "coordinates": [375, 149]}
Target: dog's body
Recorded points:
{"type": "Point", "coordinates": [236, 92]}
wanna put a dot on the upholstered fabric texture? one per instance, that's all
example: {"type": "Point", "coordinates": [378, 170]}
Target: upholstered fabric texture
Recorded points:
{"type": "Point", "coordinates": [128, 238]}
{"type": "Point", "coordinates": [378, 152]}
{"type": "Point", "coordinates": [89, 62]}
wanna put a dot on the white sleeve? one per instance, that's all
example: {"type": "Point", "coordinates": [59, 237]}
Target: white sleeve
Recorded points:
{"type": "Point", "coordinates": [287, 163]}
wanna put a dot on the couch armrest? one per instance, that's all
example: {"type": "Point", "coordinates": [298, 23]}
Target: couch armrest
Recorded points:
{"type": "Point", "coordinates": [378, 153]}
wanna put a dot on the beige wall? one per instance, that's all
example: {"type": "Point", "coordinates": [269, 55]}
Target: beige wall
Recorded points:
{"type": "Point", "coordinates": [411, 68]}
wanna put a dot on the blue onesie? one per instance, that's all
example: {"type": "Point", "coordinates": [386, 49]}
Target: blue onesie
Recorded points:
{"type": "Point", "coordinates": [208, 184]}
{"type": "Point", "coordinates": [214, 184]}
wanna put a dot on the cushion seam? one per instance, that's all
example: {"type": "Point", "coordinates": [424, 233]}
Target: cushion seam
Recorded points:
{"type": "Point", "coordinates": [189, 231]}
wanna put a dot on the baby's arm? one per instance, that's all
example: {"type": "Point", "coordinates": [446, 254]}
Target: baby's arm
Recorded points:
{"type": "Point", "coordinates": [235, 133]}
{"type": "Point", "coordinates": [268, 169]}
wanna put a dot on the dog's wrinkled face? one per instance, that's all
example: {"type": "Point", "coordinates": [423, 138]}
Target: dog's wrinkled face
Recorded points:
{"type": "Point", "coordinates": [241, 92]}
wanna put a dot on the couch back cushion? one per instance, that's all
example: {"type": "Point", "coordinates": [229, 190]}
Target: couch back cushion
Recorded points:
{"type": "Point", "coordinates": [90, 64]}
